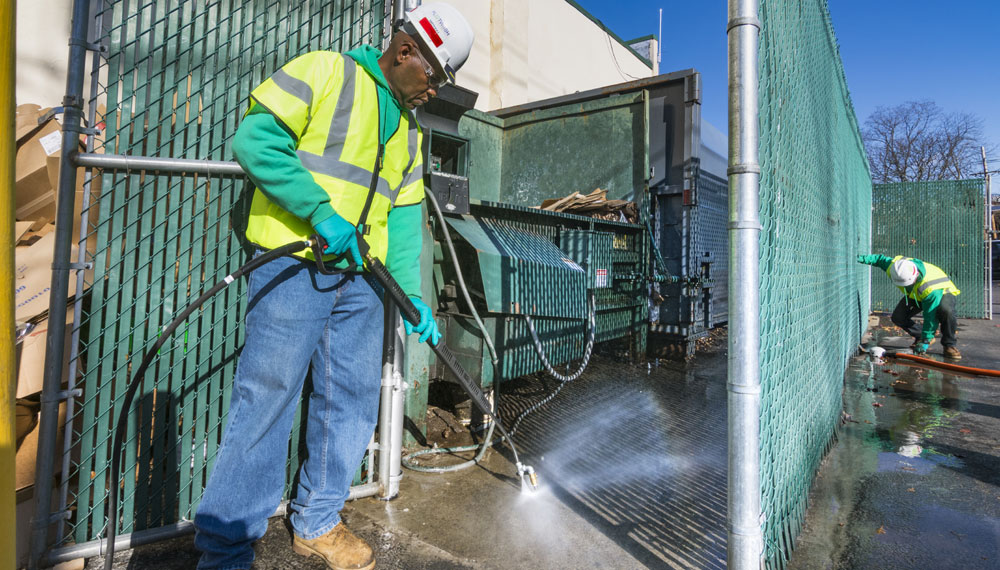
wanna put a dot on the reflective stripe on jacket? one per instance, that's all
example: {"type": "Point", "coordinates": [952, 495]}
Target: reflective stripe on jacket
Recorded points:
{"type": "Point", "coordinates": [932, 280]}
{"type": "Point", "coordinates": [331, 107]}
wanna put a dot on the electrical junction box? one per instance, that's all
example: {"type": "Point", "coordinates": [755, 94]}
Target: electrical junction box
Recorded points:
{"type": "Point", "coordinates": [592, 250]}
{"type": "Point", "coordinates": [451, 191]}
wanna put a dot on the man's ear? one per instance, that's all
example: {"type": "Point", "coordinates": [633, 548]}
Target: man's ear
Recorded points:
{"type": "Point", "coordinates": [404, 52]}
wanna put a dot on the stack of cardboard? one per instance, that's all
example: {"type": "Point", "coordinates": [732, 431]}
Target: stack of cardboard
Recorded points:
{"type": "Point", "coordinates": [594, 205]}
{"type": "Point", "coordinates": [39, 149]}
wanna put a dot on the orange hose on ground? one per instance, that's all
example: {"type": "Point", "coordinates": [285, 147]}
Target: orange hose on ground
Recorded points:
{"type": "Point", "coordinates": [946, 366]}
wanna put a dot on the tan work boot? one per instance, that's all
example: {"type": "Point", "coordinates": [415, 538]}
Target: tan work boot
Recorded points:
{"type": "Point", "coordinates": [952, 353]}
{"type": "Point", "coordinates": [339, 548]}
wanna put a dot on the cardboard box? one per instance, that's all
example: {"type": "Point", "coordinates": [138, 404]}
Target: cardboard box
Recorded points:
{"type": "Point", "coordinates": [39, 154]}
{"type": "Point", "coordinates": [33, 195]}
{"type": "Point", "coordinates": [24, 461]}
{"type": "Point", "coordinates": [33, 277]}
{"type": "Point", "coordinates": [31, 357]}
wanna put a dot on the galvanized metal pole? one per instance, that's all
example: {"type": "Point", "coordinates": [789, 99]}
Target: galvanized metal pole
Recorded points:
{"type": "Point", "coordinates": [989, 238]}
{"type": "Point", "coordinates": [745, 539]}
{"type": "Point", "coordinates": [61, 267]}
{"type": "Point", "coordinates": [390, 420]}
{"type": "Point", "coordinates": [8, 355]}
{"type": "Point", "coordinates": [399, 7]}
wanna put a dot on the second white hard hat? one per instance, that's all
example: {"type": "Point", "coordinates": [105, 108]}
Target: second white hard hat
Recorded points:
{"type": "Point", "coordinates": [445, 33]}
{"type": "Point", "coordinates": [903, 273]}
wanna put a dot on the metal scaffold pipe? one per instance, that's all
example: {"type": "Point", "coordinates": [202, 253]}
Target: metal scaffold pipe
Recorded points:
{"type": "Point", "coordinates": [61, 268]}
{"type": "Point", "coordinates": [745, 539]}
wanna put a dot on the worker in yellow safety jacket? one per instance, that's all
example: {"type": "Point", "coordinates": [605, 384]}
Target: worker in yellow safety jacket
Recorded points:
{"type": "Point", "coordinates": [928, 289]}
{"type": "Point", "coordinates": [332, 147]}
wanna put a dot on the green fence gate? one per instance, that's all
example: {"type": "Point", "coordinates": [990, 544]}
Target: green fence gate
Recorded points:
{"type": "Point", "coordinates": [815, 202]}
{"type": "Point", "coordinates": [942, 222]}
{"type": "Point", "coordinates": [174, 78]}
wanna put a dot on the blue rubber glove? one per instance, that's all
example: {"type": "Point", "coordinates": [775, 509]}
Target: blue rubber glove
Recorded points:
{"type": "Point", "coordinates": [340, 236]}
{"type": "Point", "coordinates": [921, 347]}
{"type": "Point", "coordinates": [427, 327]}
{"type": "Point", "coordinates": [867, 259]}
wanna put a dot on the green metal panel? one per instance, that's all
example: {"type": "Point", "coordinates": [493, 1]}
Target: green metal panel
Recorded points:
{"type": "Point", "coordinates": [622, 309]}
{"type": "Point", "coordinates": [593, 251]}
{"type": "Point", "coordinates": [942, 222]}
{"type": "Point", "coordinates": [175, 77]}
{"type": "Point", "coordinates": [815, 208]}
{"type": "Point", "coordinates": [522, 272]}
{"type": "Point", "coordinates": [576, 148]}
{"type": "Point", "coordinates": [485, 133]}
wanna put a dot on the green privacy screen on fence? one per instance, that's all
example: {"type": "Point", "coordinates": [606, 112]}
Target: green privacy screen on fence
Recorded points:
{"type": "Point", "coordinates": [175, 77]}
{"type": "Point", "coordinates": [815, 196]}
{"type": "Point", "coordinates": [942, 222]}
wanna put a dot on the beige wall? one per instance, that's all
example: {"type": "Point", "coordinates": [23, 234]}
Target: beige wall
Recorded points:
{"type": "Point", "coordinates": [525, 50]}
{"type": "Point", "coordinates": [42, 50]}
{"type": "Point", "coordinates": [528, 50]}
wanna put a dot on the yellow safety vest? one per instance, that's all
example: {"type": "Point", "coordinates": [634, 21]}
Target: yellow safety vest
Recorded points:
{"type": "Point", "coordinates": [934, 279]}
{"type": "Point", "coordinates": [332, 107]}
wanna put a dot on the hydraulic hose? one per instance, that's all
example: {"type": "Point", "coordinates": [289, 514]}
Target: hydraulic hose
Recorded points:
{"type": "Point", "coordinates": [947, 366]}
{"type": "Point", "coordinates": [563, 379]}
{"type": "Point", "coordinates": [378, 270]}
{"type": "Point", "coordinates": [147, 359]}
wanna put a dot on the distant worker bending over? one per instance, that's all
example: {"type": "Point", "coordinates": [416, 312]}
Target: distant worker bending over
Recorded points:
{"type": "Point", "coordinates": [331, 144]}
{"type": "Point", "coordinates": [926, 288]}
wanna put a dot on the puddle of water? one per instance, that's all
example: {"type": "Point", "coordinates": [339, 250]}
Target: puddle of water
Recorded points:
{"type": "Point", "coordinates": [921, 464]}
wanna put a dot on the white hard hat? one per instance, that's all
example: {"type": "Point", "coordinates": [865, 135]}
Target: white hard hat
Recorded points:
{"type": "Point", "coordinates": [445, 33]}
{"type": "Point", "coordinates": [903, 273]}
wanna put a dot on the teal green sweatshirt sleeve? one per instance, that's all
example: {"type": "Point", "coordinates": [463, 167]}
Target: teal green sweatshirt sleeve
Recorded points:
{"type": "Point", "coordinates": [266, 152]}
{"type": "Point", "coordinates": [405, 227]}
{"type": "Point", "coordinates": [929, 307]}
{"type": "Point", "coordinates": [881, 261]}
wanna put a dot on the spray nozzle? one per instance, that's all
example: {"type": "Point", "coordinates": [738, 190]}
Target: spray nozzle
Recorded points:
{"type": "Point", "coordinates": [529, 479]}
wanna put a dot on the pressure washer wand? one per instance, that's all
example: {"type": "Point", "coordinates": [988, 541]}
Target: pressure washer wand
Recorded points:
{"type": "Point", "coordinates": [525, 472]}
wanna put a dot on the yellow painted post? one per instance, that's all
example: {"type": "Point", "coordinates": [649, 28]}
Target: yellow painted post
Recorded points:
{"type": "Point", "coordinates": [8, 375]}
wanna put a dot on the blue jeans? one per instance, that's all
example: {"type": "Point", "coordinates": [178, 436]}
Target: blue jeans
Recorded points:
{"type": "Point", "coordinates": [296, 318]}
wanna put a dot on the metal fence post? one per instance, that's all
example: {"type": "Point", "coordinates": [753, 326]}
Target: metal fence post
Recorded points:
{"type": "Point", "coordinates": [61, 268]}
{"type": "Point", "coordinates": [745, 538]}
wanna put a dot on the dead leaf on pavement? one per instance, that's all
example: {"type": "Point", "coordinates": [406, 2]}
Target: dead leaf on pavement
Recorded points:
{"type": "Point", "coordinates": [911, 490]}
{"type": "Point", "coordinates": [881, 530]}
{"type": "Point", "coordinates": [877, 404]}
{"type": "Point", "coordinates": [965, 430]}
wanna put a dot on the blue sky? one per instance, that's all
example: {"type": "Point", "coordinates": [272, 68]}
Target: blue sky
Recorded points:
{"type": "Point", "coordinates": [893, 51]}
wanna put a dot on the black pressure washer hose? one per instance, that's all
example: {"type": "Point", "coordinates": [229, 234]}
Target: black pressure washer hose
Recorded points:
{"type": "Point", "coordinates": [379, 271]}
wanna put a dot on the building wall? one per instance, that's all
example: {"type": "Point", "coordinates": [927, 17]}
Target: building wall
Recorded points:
{"type": "Point", "coordinates": [525, 50]}
{"type": "Point", "coordinates": [42, 51]}
{"type": "Point", "coordinates": [529, 50]}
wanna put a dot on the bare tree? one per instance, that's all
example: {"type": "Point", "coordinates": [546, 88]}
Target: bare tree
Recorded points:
{"type": "Point", "coordinates": [919, 141]}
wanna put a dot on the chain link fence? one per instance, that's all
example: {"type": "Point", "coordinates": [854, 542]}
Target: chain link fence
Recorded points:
{"type": "Point", "coordinates": [171, 80]}
{"type": "Point", "coordinates": [815, 196]}
{"type": "Point", "coordinates": [942, 222]}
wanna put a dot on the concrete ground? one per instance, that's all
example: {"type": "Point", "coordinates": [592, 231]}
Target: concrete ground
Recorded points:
{"type": "Point", "coordinates": [914, 481]}
{"type": "Point", "coordinates": [632, 467]}
{"type": "Point", "coordinates": [633, 475]}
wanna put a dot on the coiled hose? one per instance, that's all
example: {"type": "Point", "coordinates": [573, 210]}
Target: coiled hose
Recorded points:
{"type": "Point", "coordinates": [407, 461]}
{"type": "Point", "coordinates": [488, 440]}
{"type": "Point", "coordinates": [563, 380]}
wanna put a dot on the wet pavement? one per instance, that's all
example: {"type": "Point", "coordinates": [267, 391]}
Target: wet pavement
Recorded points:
{"type": "Point", "coordinates": [632, 467]}
{"type": "Point", "coordinates": [633, 475]}
{"type": "Point", "coordinates": [914, 481]}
